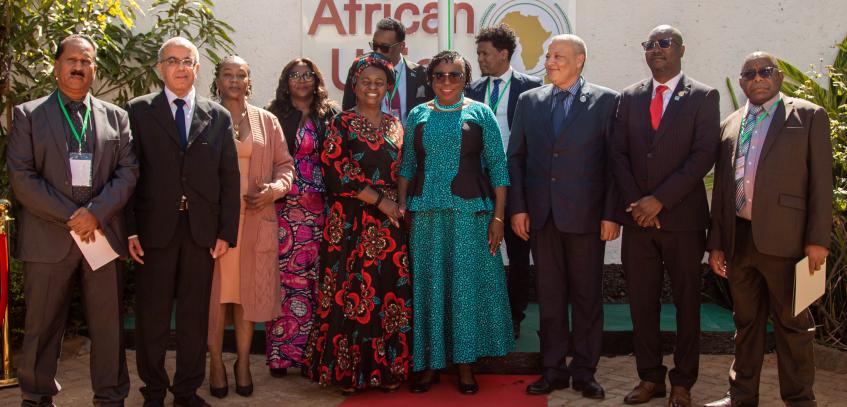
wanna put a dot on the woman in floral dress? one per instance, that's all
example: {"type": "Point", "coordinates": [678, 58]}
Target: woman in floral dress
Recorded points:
{"type": "Point", "coordinates": [304, 109]}
{"type": "Point", "coordinates": [362, 332]}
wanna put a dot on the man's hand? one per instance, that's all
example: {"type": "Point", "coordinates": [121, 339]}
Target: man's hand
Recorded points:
{"type": "Point", "coordinates": [259, 199]}
{"type": "Point", "coordinates": [817, 256]}
{"type": "Point", "coordinates": [609, 230]}
{"type": "Point", "coordinates": [135, 250]}
{"type": "Point", "coordinates": [645, 210]}
{"type": "Point", "coordinates": [520, 225]}
{"type": "Point", "coordinates": [84, 224]}
{"type": "Point", "coordinates": [221, 246]}
{"type": "Point", "coordinates": [717, 261]}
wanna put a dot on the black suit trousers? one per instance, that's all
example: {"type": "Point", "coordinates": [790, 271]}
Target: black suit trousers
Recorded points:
{"type": "Point", "coordinates": [763, 285]}
{"type": "Point", "coordinates": [646, 252]}
{"type": "Point", "coordinates": [48, 290]}
{"type": "Point", "coordinates": [569, 270]}
{"type": "Point", "coordinates": [181, 270]}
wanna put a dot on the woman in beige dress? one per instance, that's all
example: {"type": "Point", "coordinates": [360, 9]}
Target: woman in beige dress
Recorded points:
{"type": "Point", "coordinates": [246, 280]}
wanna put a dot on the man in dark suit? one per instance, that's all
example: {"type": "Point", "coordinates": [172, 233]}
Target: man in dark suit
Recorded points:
{"type": "Point", "coordinates": [72, 169]}
{"type": "Point", "coordinates": [771, 205]}
{"type": "Point", "coordinates": [183, 216]}
{"type": "Point", "coordinates": [499, 87]}
{"type": "Point", "coordinates": [411, 89]}
{"type": "Point", "coordinates": [561, 199]}
{"type": "Point", "coordinates": [666, 140]}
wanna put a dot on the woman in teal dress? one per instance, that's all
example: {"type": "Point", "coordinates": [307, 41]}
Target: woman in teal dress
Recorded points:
{"type": "Point", "coordinates": [453, 181]}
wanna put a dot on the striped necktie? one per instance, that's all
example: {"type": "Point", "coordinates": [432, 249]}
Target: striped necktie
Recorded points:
{"type": "Point", "coordinates": [741, 154]}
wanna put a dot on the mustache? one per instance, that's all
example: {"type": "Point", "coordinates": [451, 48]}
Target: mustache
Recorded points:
{"type": "Point", "coordinates": [81, 74]}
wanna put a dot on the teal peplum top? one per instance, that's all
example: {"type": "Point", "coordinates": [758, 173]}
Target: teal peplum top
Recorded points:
{"type": "Point", "coordinates": [441, 136]}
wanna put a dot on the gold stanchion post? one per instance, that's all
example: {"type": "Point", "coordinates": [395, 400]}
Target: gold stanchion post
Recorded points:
{"type": "Point", "coordinates": [8, 378]}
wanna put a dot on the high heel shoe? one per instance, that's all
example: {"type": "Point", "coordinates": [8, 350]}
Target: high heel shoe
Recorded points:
{"type": "Point", "coordinates": [424, 386]}
{"type": "Point", "coordinates": [243, 391]}
{"type": "Point", "coordinates": [219, 392]}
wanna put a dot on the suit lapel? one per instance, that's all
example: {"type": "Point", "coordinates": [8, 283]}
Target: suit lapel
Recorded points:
{"type": "Point", "coordinates": [56, 128]}
{"type": "Point", "coordinates": [162, 113]}
{"type": "Point", "coordinates": [732, 129]}
{"type": "Point", "coordinates": [103, 130]}
{"type": "Point", "coordinates": [641, 112]}
{"type": "Point", "coordinates": [547, 113]}
{"type": "Point", "coordinates": [514, 92]}
{"type": "Point", "coordinates": [199, 120]}
{"type": "Point", "coordinates": [580, 104]}
{"type": "Point", "coordinates": [780, 116]}
{"type": "Point", "coordinates": [678, 97]}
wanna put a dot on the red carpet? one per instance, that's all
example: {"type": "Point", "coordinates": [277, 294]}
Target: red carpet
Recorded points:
{"type": "Point", "coordinates": [494, 390]}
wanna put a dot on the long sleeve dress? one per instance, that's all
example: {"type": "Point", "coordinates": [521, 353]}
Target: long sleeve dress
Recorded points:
{"type": "Point", "coordinates": [362, 329]}
{"type": "Point", "coordinates": [454, 160]}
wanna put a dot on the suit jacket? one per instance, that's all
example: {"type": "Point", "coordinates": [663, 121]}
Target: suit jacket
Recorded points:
{"type": "Point", "coordinates": [520, 84]}
{"type": "Point", "coordinates": [792, 205]}
{"type": "Point", "coordinates": [206, 173]}
{"type": "Point", "coordinates": [291, 122]}
{"type": "Point", "coordinates": [417, 89]}
{"type": "Point", "coordinates": [565, 174]}
{"type": "Point", "coordinates": [40, 176]}
{"type": "Point", "coordinates": [670, 162]}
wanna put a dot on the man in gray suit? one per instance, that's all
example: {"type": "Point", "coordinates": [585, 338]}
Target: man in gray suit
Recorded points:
{"type": "Point", "coordinates": [72, 169]}
{"type": "Point", "coordinates": [562, 199]}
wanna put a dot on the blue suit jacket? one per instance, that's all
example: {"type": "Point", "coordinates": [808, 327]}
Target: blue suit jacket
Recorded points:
{"type": "Point", "coordinates": [565, 175]}
{"type": "Point", "coordinates": [520, 84]}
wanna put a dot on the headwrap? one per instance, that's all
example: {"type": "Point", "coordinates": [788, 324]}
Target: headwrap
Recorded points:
{"type": "Point", "coordinates": [373, 59]}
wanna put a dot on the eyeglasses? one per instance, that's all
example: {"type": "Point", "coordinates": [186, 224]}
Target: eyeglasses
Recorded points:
{"type": "Point", "coordinates": [443, 76]}
{"type": "Point", "coordinates": [383, 47]}
{"type": "Point", "coordinates": [305, 76]}
{"type": "Point", "coordinates": [173, 61]}
{"type": "Point", "coordinates": [663, 43]}
{"type": "Point", "coordinates": [765, 73]}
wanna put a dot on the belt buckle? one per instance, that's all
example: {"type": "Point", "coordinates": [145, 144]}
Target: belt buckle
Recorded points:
{"type": "Point", "coordinates": [183, 204]}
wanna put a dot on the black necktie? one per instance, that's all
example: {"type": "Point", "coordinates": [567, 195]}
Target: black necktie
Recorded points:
{"type": "Point", "coordinates": [180, 122]}
{"type": "Point", "coordinates": [559, 112]}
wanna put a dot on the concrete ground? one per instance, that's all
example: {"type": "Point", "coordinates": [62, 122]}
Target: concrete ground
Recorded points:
{"type": "Point", "coordinates": [616, 374]}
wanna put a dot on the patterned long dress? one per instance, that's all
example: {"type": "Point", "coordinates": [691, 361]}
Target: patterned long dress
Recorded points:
{"type": "Point", "coordinates": [301, 220]}
{"type": "Point", "coordinates": [362, 331]}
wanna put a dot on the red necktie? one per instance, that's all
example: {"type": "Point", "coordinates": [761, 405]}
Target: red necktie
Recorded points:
{"type": "Point", "coordinates": [656, 106]}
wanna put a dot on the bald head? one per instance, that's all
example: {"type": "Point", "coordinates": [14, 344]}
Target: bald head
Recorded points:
{"type": "Point", "coordinates": [181, 42]}
{"type": "Point", "coordinates": [665, 31]}
{"type": "Point", "coordinates": [577, 44]}
{"type": "Point", "coordinates": [764, 56]}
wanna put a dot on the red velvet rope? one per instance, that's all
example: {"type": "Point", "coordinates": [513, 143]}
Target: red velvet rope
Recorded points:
{"type": "Point", "coordinates": [4, 276]}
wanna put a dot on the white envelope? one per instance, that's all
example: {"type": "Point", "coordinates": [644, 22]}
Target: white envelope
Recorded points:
{"type": "Point", "coordinates": [807, 287]}
{"type": "Point", "coordinates": [98, 253]}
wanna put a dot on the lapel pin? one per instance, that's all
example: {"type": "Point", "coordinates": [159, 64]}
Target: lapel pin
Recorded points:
{"type": "Point", "coordinates": [582, 98]}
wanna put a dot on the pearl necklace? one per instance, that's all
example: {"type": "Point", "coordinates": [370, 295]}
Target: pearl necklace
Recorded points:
{"type": "Point", "coordinates": [454, 106]}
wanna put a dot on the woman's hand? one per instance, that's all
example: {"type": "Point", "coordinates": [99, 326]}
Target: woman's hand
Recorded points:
{"type": "Point", "coordinates": [495, 235]}
{"type": "Point", "coordinates": [259, 199]}
{"type": "Point", "coordinates": [392, 210]}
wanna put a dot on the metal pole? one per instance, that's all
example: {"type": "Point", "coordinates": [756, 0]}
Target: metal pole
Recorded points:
{"type": "Point", "coordinates": [445, 25]}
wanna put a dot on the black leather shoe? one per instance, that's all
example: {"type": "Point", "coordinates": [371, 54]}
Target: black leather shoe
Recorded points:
{"type": "Point", "coordinates": [45, 401]}
{"type": "Point", "coordinates": [192, 401]}
{"type": "Point", "coordinates": [590, 389]}
{"type": "Point", "coordinates": [726, 401]}
{"type": "Point", "coordinates": [542, 386]}
{"type": "Point", "coordinates": [468, 388]}
{"type": "Point", "coordinates": [424, 386]}
{"type": "Point", "coordinates": [278, 372]}
{"type": "Point", "coordinates": [243, 391]}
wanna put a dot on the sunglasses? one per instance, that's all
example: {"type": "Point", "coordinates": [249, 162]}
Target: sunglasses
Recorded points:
{"type": "Point", "coordinates": [442, 76]}
{"type": "Point", "coordinates": [764, 73]}
{"type": "Point", "coordinates": [383, 47]}
{"type": "Point", "coordinates": [664, 43]}
{"type": "Point", "coordinates": [304, 76]}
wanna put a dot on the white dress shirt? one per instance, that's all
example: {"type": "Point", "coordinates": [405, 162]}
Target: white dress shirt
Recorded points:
{"type": "Point", "coordinates": [400, 84]}
{"type": "Point", "coordinates": [188, 108]}
{"type": "Point", "coordinates": [671, 84]}
{"type": "Point", "coordinates": [502, 113]}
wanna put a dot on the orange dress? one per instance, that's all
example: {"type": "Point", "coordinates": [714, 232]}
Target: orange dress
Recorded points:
{"type": "Point", "coordinates": [230, 262]}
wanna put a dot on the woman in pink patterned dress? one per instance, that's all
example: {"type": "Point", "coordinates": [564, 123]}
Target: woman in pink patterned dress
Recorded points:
{"type": "Point", "coordinates": [303, 107]}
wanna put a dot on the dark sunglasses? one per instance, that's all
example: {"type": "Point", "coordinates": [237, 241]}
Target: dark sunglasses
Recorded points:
{"type": "Point", "coordinates": [663, 43]}
{"type": "Point", "coordinates": [765, 73]}
{"type": "Point", "coordinates": [442, 76]}
{"type": "Point", "coordinates": [383, 47]}
{"type": "Point", "coordinates": [305, 76]}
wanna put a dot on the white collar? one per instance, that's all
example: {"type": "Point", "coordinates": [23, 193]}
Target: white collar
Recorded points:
{"type": "Point", "coordinates": [671, 84]}
{"type": "Point", "coordinates": [401, 65]}
{"type": "Point", "coordinates": [767, 105]}
{"type": "Point", "coordinates": [189, 98]}
{"type": "Point", "coordinates": [505, 76]}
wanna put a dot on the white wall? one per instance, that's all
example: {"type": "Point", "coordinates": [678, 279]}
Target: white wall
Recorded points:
{"type": "Point", "coordinates": [718, 34]}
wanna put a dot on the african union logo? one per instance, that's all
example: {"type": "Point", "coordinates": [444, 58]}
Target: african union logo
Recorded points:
{"type": "Point", "coordinates": [534, 21]}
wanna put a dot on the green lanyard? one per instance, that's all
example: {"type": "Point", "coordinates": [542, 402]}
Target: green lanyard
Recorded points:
{"type": "Point", "coordinates": [496, 103]}
{"type": "Point", "coordinates": [396, 85]}
{"type": "Point", "coordinates": [79, 139]}
{"type": "Point", "coordinates": [745, 136]}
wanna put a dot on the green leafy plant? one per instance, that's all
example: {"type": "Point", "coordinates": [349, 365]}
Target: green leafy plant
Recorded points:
{"type": "Point", "coordinates": [30, 31]}
{"type": "Point", "coordinates": [831, 311]}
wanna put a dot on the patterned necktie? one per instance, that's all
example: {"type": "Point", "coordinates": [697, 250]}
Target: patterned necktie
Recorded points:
{"type": "Point", "coordinates": [80, 195]}
{"type": "Point", "coordinates": [395, 101]}
{"type": "Point", "coordinates": [656, 106]}
{"type": "Point", "coordinates": [741, 151]}
{"type": "Point", "coordinates": [180, 123]}
{"type": "Point", "coordinates": [559, 112]}
{"type": "Point", "coordinates": [495, 94]}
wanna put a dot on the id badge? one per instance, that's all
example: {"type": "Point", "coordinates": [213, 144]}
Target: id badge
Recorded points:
{"type": "Point", "coordinates": [739, 167]}
{"type": "Point", "coordinates": [81, 169]}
